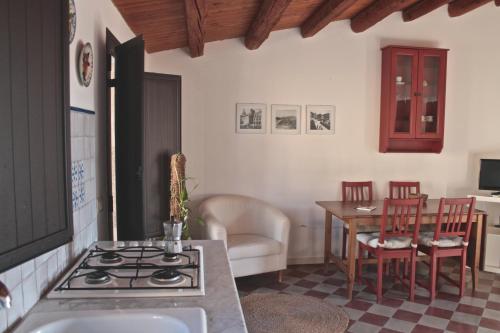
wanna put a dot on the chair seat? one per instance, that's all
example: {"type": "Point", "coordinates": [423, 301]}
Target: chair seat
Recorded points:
{"type": "Point", "coordinates": [372, 240]}
{"type": "Point", "coordinates": [250, 246]}
{"type": "Point", "coordinates": [427, 239]}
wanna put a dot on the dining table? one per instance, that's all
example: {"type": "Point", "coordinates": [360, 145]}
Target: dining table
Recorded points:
{"type": "Point", "coordinates": [348, 214]}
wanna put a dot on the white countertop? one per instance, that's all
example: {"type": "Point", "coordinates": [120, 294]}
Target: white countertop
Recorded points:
{"type": "Point", "coordinates": [221, 301]}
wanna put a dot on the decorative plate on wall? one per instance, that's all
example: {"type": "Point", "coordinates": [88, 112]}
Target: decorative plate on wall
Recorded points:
{"type": "Point", "coordinates": [72, 20]}
{"type": "Point", "coordinates": [86, 64]}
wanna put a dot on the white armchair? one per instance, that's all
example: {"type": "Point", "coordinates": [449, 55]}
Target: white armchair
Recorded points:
{"type": "Point", "coordinates": [255, 233]}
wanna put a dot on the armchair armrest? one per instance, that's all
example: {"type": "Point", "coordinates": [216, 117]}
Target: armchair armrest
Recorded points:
{"type": "Point", "coordinates": [215, 230]}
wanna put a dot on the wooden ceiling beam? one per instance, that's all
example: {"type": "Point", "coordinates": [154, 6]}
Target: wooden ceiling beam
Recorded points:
{"type": "Point", "coordinates": [196, 12]}
{"type": "Point", "coordinates": [422, 8]}
{"type": "Point", "coordinates": [460, 7]}
{"type": "Point", "coordinates": [269, 14]}
{"type": "Point", "coordinates": [376, 12]}
{"type": "Point", "coordinates": [327, 12]}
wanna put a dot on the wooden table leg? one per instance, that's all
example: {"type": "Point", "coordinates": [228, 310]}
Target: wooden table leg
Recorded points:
{"type": "Point", "coordinates": [477, 252]}
{"type": "Point", "coordinates": [328, 239]}
{"type": "Point", "coordinates": [351, 258]}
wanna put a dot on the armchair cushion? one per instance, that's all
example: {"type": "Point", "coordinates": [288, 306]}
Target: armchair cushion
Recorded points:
{"type": "Point", "coordinates": [251, 246]}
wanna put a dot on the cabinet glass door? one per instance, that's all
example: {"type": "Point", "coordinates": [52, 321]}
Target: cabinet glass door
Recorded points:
{"type": "Point", "coordinates": [404, 79]}
{"type": "Point", "coordinates": [429, 91]}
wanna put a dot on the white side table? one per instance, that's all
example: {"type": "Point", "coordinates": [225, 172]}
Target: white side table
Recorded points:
{"type": "Point", "coordinates": [491, 205]}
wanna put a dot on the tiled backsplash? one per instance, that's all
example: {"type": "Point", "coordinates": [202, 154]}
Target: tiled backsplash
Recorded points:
{"type": "Point", "coordinates": [27, 282]}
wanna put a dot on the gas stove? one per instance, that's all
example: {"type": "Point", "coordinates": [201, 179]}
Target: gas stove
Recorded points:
{"type": "Point", "coordinates": [133, 269]}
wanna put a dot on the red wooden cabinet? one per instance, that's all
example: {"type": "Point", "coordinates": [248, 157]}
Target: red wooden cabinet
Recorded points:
{"type": "Point", "coordinates": [412, 104]}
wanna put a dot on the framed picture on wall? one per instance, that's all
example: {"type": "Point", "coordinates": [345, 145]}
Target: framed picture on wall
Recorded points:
{"type": "Point", "coordinates": [320, 119]}
{"type": "Point", "coordinates": [285, 119]}
{"type": "Point", "coordinates": [251, 118]}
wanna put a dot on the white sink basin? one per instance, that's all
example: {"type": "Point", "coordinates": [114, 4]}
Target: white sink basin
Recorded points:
{"type": "Point", "coordinates": [171, 320]}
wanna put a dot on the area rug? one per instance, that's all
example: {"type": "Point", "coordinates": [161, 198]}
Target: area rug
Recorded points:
{"type": "Point", "coordinates": [281, 313]}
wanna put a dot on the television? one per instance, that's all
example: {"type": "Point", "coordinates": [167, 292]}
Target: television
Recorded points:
{"type": "Point", "coordinates": [489, 175]}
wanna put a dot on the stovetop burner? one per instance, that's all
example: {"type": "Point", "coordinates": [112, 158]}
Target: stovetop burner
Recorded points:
{"type": "Point", "coordinates": [144, 271]}
{"type": "Point", "coordinates": [166, 277]}
{"type": "Point", "coordinates": [97, 277]}
{"type": "Point", "coordinates": [170, 257]}
{"type": "Point", "coordinates": [110, 258]}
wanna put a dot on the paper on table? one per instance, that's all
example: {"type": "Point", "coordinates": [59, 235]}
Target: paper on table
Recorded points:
{"type": "Point", "coordinates": [366, 208]}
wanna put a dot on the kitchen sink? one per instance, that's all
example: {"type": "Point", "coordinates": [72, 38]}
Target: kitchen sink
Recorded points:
{"type": "Point", "coordinates": [171, 320]}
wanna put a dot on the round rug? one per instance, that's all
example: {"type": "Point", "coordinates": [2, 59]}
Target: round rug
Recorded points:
{"type": "Point", "coordinates": [280, 313]}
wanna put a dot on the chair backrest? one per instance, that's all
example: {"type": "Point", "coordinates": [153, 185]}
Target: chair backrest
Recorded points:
{"type": "Point", "coordinates": [455, 218]}
{"type": "Point", "coordinates": [402, 190]}
{"type": "Point", "coordinates": [401, 218]}
{"type": "Point", "coordinates": [241, 214]}
{"type": "Point", "coordinates": [357, 191]}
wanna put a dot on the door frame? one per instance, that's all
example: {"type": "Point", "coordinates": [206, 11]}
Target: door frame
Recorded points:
{"type": "Point", "coordinates": [111, 43]}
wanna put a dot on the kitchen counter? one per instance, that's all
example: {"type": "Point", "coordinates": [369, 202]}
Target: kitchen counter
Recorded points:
{"type": "Point", "coordinates": [221, 301]}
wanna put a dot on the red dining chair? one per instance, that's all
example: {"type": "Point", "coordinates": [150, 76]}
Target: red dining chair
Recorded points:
{"type": "Point", "coordinates": [402, 190]}
{"type": "Point", "coordinates": [397, 239]}
{"type": "Point", "coordinates": [450, 239]}
{"type": "Point", "coordinates": [354, 192]}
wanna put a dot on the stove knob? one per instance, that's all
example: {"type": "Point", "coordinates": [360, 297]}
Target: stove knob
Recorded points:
{"type": "Point", "coordinates": [133, 243]}
{"type": "Point", "coordinates": [120, 244]}
{"type": "Point", "coordinates": [147, 243]}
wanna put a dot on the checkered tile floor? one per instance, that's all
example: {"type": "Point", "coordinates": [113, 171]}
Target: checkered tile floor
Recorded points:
{"type": "Point", "coordinates": [478, 312]}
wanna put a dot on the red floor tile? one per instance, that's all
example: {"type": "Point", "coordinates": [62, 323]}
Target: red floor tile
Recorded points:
{"type": "Point", "coordinates": [407, 316]}
{"type": "Point", "coordinates": [461, 327]}
{"type": "Point", "coordinates": [470, 309]}
{"type": "Point", "coordinates": [438, 312]}
{"type": "Point", "coordinates": [495, 290]}
{"type": "Point", "coordinates": [425, 329]}
{"type": "Point", "coordinates": [393, 303]}
{"type": "Point", "coordinates": [374, 319]}
{"type": "Point", "coordinates": [493, 305]}
{"type": "Point", "coordinates": [492, 324]}
{"type": "Point", "coordinates": [359, 305]}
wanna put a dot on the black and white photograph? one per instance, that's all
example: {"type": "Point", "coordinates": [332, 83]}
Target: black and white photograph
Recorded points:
{"type": "Point", "coordinates": [320, 119]}
{"type": "Point", "coordinates": [251, 118]}
{"type": "Point", "coordinates": [285, 119]}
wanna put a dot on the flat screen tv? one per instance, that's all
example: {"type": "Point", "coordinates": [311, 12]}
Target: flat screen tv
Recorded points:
{"type": "Point", "coordinates": [489, 175]}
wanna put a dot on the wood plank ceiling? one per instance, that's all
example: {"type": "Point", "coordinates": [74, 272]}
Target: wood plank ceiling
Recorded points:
{"type": "Point", "coordinates": [171, 24]}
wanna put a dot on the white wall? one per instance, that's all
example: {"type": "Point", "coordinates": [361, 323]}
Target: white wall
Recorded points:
{"type": "Point", "coordinates": [29, 281]}
{"type": "Point", "coordinates": [341, 68]}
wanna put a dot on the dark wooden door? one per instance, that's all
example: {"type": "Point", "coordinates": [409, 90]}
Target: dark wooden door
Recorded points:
{"type": "Point", "coordinates": [35, 188]}
{"type": "Point", "coordinates": [162, 138]}
{"type": "Point", "coordinates": [129, 139]}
